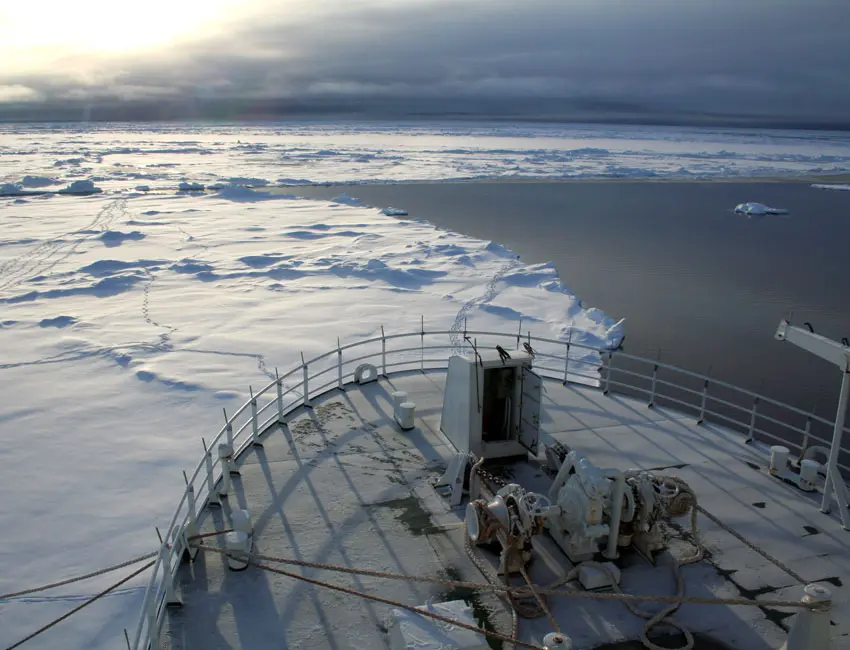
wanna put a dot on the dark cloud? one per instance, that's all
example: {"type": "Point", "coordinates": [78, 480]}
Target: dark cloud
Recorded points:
{"type": "Point", "coordinates": [773, 61]}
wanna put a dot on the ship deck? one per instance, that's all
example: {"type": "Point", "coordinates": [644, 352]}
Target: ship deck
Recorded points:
{"type": "Point", "coordinates": [340, 484]}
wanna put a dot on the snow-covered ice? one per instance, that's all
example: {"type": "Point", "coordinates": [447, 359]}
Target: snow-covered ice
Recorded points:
{"type": "Point", "coordinates": [394, 212]}
{"type": "Point", "coordinates": [81, 187]}
{"type": "Point", "coordinates": [129, 320]}
{"type": "Point", "coordinates": [753, 209]}
{"type": "Point", "coordinates": [831, 186]}
{"type": "Point", "coordinates": [164, 156]}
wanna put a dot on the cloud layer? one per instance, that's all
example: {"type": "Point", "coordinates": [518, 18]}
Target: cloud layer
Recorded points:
{"type": "Point", "coordinates": [770, 60]}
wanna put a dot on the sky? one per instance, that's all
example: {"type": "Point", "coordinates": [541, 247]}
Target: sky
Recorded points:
{"type": "Point", "coordinates": [655, 60]}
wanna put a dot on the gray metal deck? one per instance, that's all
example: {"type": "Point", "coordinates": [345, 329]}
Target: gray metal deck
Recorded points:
{"type": "Point", "coordinates": [340, 484]}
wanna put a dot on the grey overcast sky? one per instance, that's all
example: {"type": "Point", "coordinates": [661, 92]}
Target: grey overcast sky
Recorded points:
{"type": "Point", "coordinates": [752, 61]}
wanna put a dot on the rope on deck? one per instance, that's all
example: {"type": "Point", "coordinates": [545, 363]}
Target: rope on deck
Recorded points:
{"type": "Point", "coordinates": [757, 549]}
{"type": "Point", "coordinates": [97, 596]}
{"type": "Point", "coordinates": [568, 593]}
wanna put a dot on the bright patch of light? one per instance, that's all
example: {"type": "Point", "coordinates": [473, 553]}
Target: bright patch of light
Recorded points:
{"type": "Point", "coordinates": [41, 27]}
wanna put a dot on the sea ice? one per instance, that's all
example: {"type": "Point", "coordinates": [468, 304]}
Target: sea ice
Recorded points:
{"type": "Point", "coordinates": [38, 181]}
{"type": "Point", "coordinates": [81, 187]}
{"type": "Point", "coordinates": [394, 212]}
{"type": "Point", "coordinates": [190, 187]}
{"type": "Point", "coordinates": [753, 209]}
{"type": "Point", "coordinates": [10, 189]}
{"type": "Point", "coordinates": [822, 186]}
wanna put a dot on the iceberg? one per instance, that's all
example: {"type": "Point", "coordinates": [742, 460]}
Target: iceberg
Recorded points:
{"type": "Point", "coordinates": [751, 208]}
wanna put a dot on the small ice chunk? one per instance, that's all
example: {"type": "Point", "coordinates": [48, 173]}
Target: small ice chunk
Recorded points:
{"type": "Point", "coordinates": [38, 181]}
{"type": "Point", "coordinates": [294, 181]}
{"type": "Point", "coordinates": [347, 200]}
{"type": "Point", "coordinates": [394, 212]}
{"type": "Point", "coordinates": [751, 208]}
{"type": "Point", "coordinates": [190, 187]}
{"type": "Point", "coordinates": [10, 189]}
{"type": "Point", "coordinates": [81, 187]}
{"type": "Point", "coordinates": [143, 188]}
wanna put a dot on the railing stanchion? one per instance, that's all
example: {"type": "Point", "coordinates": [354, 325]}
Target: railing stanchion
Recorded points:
{"type": "Point", "coordinates": [228, 427]}
{"type": "Point", "coordinates": [702, 402]}
{"type": "Point", "coordinates": [306, 379]}
{"type": "Point", "coordinates": [383, 352]}
{"type": "Point", "coordinates": [191, 528]}
{"type": "Point", "coordinates": [518, 333]}
{"type": "Point", "coordinates": [255, 429]}
{"type": "Point", "coordinates": [608, 372]}
{"type": "Point", "coordinates": [338, 365]}
{"type": "Point", "coordinates": [753, 414]}
{"type": "Point", "coordinates": [806, 433]}
{"type": "Point", "coordinates": [279, 385]}
{"type": "Point", "coordinates": [422, 343]}
{"type": "Point", "coordinates": [171, 599]}
{"type": "Point", "coordinates": [567, 355]}
{"type": "Point", "coordinates": [212, 495]}
{"type": "Point", "coordinates": [652, 390]}
{"type": "Point", "coordinates": [153, 625]}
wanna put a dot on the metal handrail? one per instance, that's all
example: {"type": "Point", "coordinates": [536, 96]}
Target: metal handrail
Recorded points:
{"type": "Point", "coordinates": [201, 486]}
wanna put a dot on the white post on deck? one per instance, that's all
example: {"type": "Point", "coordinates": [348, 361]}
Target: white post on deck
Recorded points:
{"type": "Point", "coordinates": [306, 378]}
{"type": "Point", "coordinates": [652, 389]}
{"type": "Point", "coordinates": [703, 400]}
{"type": "Point", "coordinates": [153, 625]}
{"type": "Point", "coordinates": [338, 365]}
{"type": "Point", "coordinates": [228, 427]}
{"type": "Point", "coordinates": [279, 385]}
{"type": "Point", "coordinates": [191, 528]}
{"type": "Point", "coordinates": [422, 343]}
{"type": "Point", "coordinates": [171, 598]}
{"type": "Point", "coordinates": [839, 355]}
{"type": "Point", "coordinates": [567, 355]}
{"type": "Point", "coordinates": [255, 426]}
{"type": "Point", "coordinates": [383, 352]}
{"type": "Point", "coordinates": [212, 496]}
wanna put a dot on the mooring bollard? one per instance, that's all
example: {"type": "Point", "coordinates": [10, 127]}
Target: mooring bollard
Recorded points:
{"type": "Point", "coordinates": [810, 630]}
{"type": "Point", "coordinates": [557, 641]}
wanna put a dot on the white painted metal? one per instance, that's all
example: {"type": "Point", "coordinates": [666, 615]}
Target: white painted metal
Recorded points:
{"type": "Point", "coordinates": [818, 345]}
{"type": "Point", "coordinates": [557, 641]}
{"type": "Point", "coordinates": [365, 373]}
{"type": "Point", "coordinates": [241, 520]}
{"type": "Point", "coordinates": [595, 577]}
{"type": "Point", "coordinates": [811, 627]}
{"type": "Point", "coordinates": [553, 364]}
{"type": "Point", "coordinates": [808, 474]}
{"type": "Point", "coordinates": [452, 478]}
{"type": "Point", "coordinates": [531, 394]}
{"type": "Point", "coordinates": [405, 415]}
{"type": "Point", "coordinates": [840, 356]}
{"type": "Point", "coordinates": [238, 545]}
{"type": "Point", "coordinates": [411, 631]}
{"type": "Point", "coordinates": [464, 404]}
{"type": "Point", "coordinates": [779, 459]}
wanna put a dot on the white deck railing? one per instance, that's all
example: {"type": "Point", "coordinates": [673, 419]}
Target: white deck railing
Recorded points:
{"type": "Point", "coordinates": [757, 417]}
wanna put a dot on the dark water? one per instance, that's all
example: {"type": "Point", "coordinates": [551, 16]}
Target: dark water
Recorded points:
{"type": "Point", "coordinates": [699, 285]}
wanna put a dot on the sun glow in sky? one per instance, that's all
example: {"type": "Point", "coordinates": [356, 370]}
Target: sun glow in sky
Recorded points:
{"type": "Point", "coordinates": [39, 28]}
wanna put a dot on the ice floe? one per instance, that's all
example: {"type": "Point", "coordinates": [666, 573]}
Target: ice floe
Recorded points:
{"type": "Point", "coordinates": [830, 186]}
{"type": "Point", "coordinates": [753, 209]}
{"type": "Point", "coordinates": [81, 187]}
